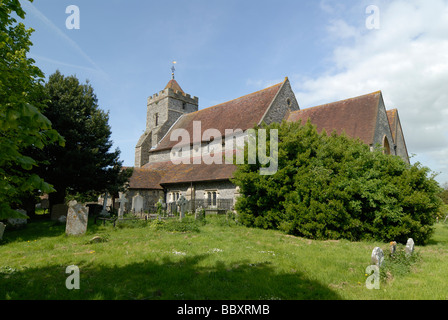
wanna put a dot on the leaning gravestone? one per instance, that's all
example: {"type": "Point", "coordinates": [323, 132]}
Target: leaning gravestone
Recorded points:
{"type": "Point", "coordinates": [77, 219]}
{"type": "Point", "coordinates": [58, 211]}
{"type": "Point", "coordinates": [409, 247]}
{"type": "Point", "coordinates": [137, 203]}
{"type": "Point", "coordinates": [2, 230]}
{"type": "Point", "coordinates": [377, 257]}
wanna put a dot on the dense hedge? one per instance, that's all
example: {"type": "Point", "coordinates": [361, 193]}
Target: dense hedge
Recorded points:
{"type": "Point", "coordinates": [332, 187]}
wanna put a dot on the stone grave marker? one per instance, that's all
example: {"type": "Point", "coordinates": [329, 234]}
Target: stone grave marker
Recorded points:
{"type": "Point", "coordinates": [377, 256]}
{"type": "Point", "coordinates": [137, 203]}
{"type": "Point", "coordinates": [2, 230]}
{"type": "Point", "coordinates": [409, 247]}
{"type": "Point", "coordinates": [58, 211]}
{"type": "Point", "coordinates": [18, 222]}
{"type": "Point", "coordinates": [122, 200]}
{"type": "Point", "coordinates": [199, 213]}
{"type": "Point", "coordinates": [162, 206]}
{"type": "Point", "coordinates": [77, 218]}
{"type": "Point", "coordinates": [104, 212]}
{"type": "Point", "coordinates": [182, 203]}
{"type": "Point", "coordinates": [393, 247]}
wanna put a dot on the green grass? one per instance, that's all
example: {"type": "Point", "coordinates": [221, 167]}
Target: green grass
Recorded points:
{"type": "Point", "coordinates": [215, 260]}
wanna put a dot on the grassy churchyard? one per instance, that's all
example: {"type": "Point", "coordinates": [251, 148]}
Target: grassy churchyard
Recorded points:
{"type": "Point", "coordinates": [212, 260]}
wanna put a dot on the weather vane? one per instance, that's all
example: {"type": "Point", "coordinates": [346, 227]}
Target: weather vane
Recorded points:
{"type": "Point", "coordinates": [173, 69]}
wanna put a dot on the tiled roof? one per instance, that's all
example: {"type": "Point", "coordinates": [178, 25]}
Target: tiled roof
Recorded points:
{"type": "Point", "coordinates": [241, 113]}
{"type": "Point", "coordinates": [155, 175]}
{"type": "Point", "coordinates": [146, 178]}
{"type": "Point", "coordinates": [174, 85]}
{"type": "Point", "coordinates": [356, 116]}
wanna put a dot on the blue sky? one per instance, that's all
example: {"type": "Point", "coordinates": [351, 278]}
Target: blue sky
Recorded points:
{"type": "Point", "coordinates": [228, 48]}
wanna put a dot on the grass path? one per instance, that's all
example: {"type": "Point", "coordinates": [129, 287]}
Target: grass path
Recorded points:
{"type": "Point", "coordinates": [218, 262]}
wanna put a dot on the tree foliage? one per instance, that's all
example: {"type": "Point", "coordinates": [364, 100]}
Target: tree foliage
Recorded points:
{"type": "Point", "coordinates": [86, 164]}
{"type": "Point", "coordinates": [22, 124]}
{"type": "Point", "coordinates": [332, 187]}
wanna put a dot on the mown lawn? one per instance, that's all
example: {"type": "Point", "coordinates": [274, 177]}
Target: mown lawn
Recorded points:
{"type": "Point", "coordinates": [216, 260]}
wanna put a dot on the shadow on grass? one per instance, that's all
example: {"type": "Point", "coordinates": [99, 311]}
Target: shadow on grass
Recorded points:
{"type": "Point", "coordinates": [174, 278]}
{"type": "Point", "coordinates": [36, 229]}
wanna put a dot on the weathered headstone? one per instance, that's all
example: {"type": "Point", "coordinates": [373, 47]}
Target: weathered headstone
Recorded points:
{"type": "Point", "coordinates": [77, 219]}
{"type": "Point", "coordinates": [199, 214]}
{"type": "Point", "coordinates": [104, 212]}
{"type": "Point", "coordinates": [58, 211]}
{"type": "Point", "coordinates": [393, 247]}
{"type": "Point", "coordinates": [409, 247]}
{"type": "Point", "coordinates": [122, 200]}
{"type": "Point", "coordinates": [137, 203]}
{"type": "Point", "coordinates": [17, 222]}
{"type": "Point", "coordinates": [182, 203]}
{"type": "Point", "coordinates": [2, 230]}
{"type": "Point", "coordinates": [377, 256]}
{"type": "Point", "coordinates": [45, 204]}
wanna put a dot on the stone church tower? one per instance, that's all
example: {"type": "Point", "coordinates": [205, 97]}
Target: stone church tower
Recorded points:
{"type": "Point", "coordinates": [163, 110]}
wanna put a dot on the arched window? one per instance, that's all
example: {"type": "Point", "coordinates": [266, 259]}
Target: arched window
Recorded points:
{"type": "Point", "coordinates": [386, 145]}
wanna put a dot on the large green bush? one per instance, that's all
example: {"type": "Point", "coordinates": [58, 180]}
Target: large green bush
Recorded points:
{"type": "Point", "coordinates": [331, 187]}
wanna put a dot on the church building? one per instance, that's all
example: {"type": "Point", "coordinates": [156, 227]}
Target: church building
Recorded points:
{"type": "Point", "coordinates": [172, 114]}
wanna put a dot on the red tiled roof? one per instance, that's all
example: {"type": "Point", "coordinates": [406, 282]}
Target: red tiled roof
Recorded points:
{"type": "Point", "coordinates": [154, 175]}
{"type": "Point", "coordinates": [356, 116]}
{"type": "Point", "coordinates": [172, 84]}
{"type": "Point", "coordinates": [241, 113]}
{"type": "Point", "coordinates": [146, 178]}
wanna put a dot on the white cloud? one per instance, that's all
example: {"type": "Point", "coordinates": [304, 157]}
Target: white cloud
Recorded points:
{"type": "Point", "coordinates": [407, 59]}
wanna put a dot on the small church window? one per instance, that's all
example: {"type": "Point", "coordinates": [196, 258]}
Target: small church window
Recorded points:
{"type": "Point", "coordinates": [184, 105]}
{"type": "Point", "coordinates": [211, 198]}
{"type": "Point", "coordinates": [157, 119]}
{"type": "Point", "coordinates": [175, 195]}
{"type": "Point", "coordinates": [288, 102]}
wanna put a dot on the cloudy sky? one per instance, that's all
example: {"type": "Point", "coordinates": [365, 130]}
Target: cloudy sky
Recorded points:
{"type": "Point", "coordinates": [329, 49]}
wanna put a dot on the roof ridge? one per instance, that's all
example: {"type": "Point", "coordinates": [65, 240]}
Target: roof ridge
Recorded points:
{"type": "Point", "coordinates": [337, 101]}
{"type": "Point", "coordinates": [244, 96]}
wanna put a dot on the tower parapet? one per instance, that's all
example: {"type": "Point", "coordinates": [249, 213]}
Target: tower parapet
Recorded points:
{"type": "Point", "coordinates": [175, 94]}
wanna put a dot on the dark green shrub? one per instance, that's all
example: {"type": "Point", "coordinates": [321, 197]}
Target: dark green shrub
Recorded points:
{"type": "Point", "coordinates": [331, 187]}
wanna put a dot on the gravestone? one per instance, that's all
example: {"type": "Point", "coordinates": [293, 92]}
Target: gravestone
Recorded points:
{"type": "Point", "coordinates": [17, 222]}
{"type": "Point", "coordinates": [182, 203]}
{"type": "Point", "coordinates": [122, 200]}
{"type": "Point", "coordinates": [104, 212]}
{"type": "Point", "coordinates": [199, 214]}
{"type": "Point", "coordinates": [77, 218]}
{"type": "Point", "coordinates": [160, 208]}
{"type": "Point", "coordinates": [58, 211]}
{"type": "Point", "coordinates": [393, 247]}
{"type": "Point", "coordinates": [45, 204]}
{"type": "Point", "coordinates": [137, 203]}
{"type": "Point", "coordinates": [409, 247]}
{"type": "Point", "coordinates": [377, 256]}
{"type": "Point", "coordinates": [2, 230]}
